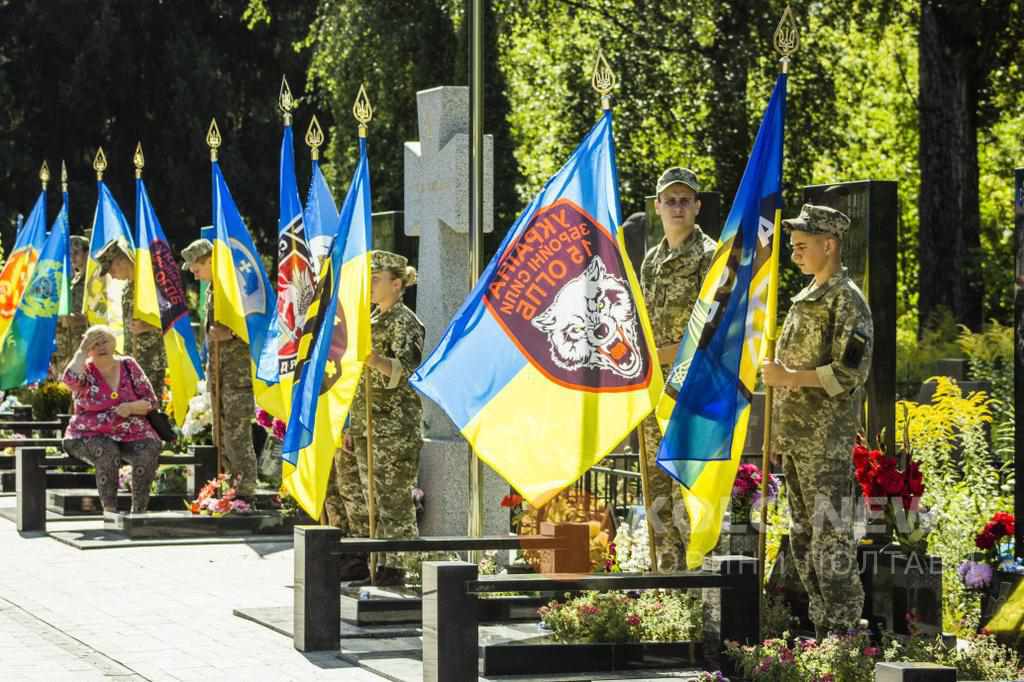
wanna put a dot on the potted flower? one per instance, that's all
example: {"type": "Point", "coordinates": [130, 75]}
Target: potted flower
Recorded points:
{"type": "Point", "coordinates": [270, 453]}
{"type": "Point", "coordinates": [218, 498]}
{"type": "Point", "coordinates": [993, 570]}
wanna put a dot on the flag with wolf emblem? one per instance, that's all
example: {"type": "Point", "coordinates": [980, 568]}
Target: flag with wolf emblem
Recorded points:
{"type": "Point", "coordinates": [548, 364]}
{"type": "Point", "coordinates": [334, 344]}
{"type": "Point", "coordinates": [708, 393]}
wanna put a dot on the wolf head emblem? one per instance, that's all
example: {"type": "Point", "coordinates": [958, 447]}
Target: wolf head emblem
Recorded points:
{"type": "Point", "coordinates": [592, 323]}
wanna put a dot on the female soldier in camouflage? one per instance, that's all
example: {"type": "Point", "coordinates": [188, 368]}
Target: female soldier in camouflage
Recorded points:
{"type": "Point", "coordinates": [397, 417]}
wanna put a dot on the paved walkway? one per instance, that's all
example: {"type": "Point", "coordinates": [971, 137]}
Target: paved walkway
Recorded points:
{"type": "Point", "coordinates": [152, 613]}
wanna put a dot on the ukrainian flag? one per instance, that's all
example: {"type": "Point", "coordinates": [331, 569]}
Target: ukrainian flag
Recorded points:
{"type": "Point", "coordinates": [17, 270]}
{"type": "Point", "coordinates": [160, 301]}
{"type": "Point", "coordinates": [243, 299]}
{"type": "Point", "coordinates": [32, 337]}
{"type": "Point", "coordinates": [108, 224]}
{"type": "Point", "coordinates": [334, 345]}
{"type": "Point", "coordinates": [707, 395]}
{"type": "Point", "coordinates": [320, 217]}
{"type": "Point", "coordinates": [548, 364]}
{"type": "Point", "coordinates": [296, 283]}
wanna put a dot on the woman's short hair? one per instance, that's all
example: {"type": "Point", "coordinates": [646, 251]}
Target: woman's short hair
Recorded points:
{"type": "Point", "coordinates": [104, 329]}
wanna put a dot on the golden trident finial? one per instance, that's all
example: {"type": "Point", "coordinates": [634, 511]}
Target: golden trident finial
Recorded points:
{"type": "Point", "coordinates": [44, 175]}
{"type": "Point", "coordinates": [362, 110]}
{"type": "Point", "coordinates": [314, 138]}
{"type": "Point", "coordinates": [604, 79]}
{"type": "Point", "coordinates": [213, 139]}
{"type": "Point", "coordinates": [99, 164]}
{"type": "Point", "coordinates": [787, 37]}
{"type": "Point", "coordinates": [63, 177]}
{"type": "Point", "coordinates": [139, 160]}
{"type": "Point", "coordinates": [285, 101]}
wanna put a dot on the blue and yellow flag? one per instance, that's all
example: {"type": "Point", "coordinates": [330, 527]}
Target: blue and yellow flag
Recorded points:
{"type": "Point", "coordinates": [18, 267]}
{"type": "Point", "coordinates": [548, 364]}
{"type": "Point", "coordinates": [108, 224]}
{"type": "Point", "coordinates": [32, 337]}
{"type": "Point", "coordinates": [243, 300]}
{"type": "Point", "coordinates": [708, 393]}
{"type": "Point", "coordinates": [320, 217]}
{"type": "Point", "coordinates": [334, 345]}
{"type": "Point", "coordinates": [296, 284]}
{"type": "Point", "coordinates": [160, 302]}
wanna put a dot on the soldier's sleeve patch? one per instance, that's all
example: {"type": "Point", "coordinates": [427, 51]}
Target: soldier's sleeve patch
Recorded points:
{"type": "Point", "coordinates": [854, 351]}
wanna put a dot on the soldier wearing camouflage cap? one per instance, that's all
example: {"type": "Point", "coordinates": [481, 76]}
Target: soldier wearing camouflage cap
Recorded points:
{"type": "Point", "coordinates": [671, 276]}
{"type": "Point", "coordinates": [142, 341]}
{"type": "Point", "coordinates": [71, 327]}
{"type": "Point", "coordinates": [397, 418]}
{"type": "Point", "coordinates": [820, 367]}
{"type": "Point", "coordinates": [231, 384]}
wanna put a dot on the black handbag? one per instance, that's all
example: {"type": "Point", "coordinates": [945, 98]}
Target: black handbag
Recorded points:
{"type": "Point", "coordinates": [161, 423]}
{"type": "Point", "coordinates": [158, 419]}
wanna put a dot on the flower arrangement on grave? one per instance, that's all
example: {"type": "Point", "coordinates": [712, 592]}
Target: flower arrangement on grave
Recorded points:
{"type": "Point", "coordinates": [568, 506]}
{"type": "Point", "coordinates": [746, 492]}
{"type": "Point", "coordinates": [218, 498]}
{"type": "Point", "coordinates": [845, 658]}
{"type": "Point", "coordinates": [653, 616]}
{"type": "Point", "coordinates": [50, 399]}
{"type": "Point", "coordinates": [632, 555]}
{"type": "Point", "coordinates": [995, 542]}
{"type": "Point", "coordinates": [274, 426]}
{"type": "Point", "coordinates": [198, 426]}
{"type": "Point", "coordinates": [893, 486]}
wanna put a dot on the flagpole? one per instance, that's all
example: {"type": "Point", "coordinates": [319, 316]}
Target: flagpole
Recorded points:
{"type": "Point", "coordinates": [476, 220]}
{"type": "Point", "coordinates": [363, 113]}
{"type": "Point", "coordinates": [787, 40]}
{"type": "Point", "coordinates": [213, 140]}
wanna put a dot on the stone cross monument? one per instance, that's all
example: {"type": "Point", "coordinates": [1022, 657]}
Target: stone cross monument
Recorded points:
{"type": "Point", "coordinates": [437, 211]}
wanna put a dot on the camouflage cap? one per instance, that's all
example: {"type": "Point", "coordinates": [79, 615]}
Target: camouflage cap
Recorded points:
{"type": "Point", "coordinates": [118, 247]}
{"type": "Point", "coordinates": [385, 260]}
{"type": "Point", "coordinates": [200, 248]}
{"type": "Point", "coordinates": [819, 220]}
{"type": "Point", "coordinates": [79, 242]}
{"type": "Point", "coordinates": [676, 175]}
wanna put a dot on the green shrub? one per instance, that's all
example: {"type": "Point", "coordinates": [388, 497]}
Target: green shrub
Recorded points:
{"type": "Point", "coordinates": [50, 399]}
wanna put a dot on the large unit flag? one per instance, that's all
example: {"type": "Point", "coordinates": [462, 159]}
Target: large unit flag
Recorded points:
{"type": "Point", "coordinates": [547, 366]}
{"type": "Point", "coordinates": [108, 224]}
{"type": "Point", "coordinates": [708, 393]}
{"type": "Point", "coordinates": [18, 267]}
{"type": "Point", "coordinates": [160, 301]}
{"type": "Point", "coordinates": [296, 281]}
{"type": "Point", "coordinates": [31, 339]}
{"type": "Point", "coordinates": [334, 344]}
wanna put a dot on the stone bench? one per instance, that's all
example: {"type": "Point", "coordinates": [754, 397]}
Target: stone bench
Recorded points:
{"type": "Point", "coordinates": [451, 588]}
{"type": "Point", "coordinates": [317, 594]}
{"type": "Point", "coordinates": [32, 465]}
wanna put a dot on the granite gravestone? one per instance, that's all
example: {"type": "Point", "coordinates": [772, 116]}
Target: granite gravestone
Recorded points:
{"type": "Point", "coordinates": [437, 211]}
{"type": "Point", "coordinates": [869, 253]}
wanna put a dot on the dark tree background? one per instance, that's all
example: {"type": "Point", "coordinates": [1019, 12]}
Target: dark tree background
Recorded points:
{"type": "Point", "coordinates": [75, 75]}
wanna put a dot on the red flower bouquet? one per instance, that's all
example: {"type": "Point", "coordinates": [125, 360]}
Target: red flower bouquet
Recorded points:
{"type": "Point", "coordinates": [894, 491]}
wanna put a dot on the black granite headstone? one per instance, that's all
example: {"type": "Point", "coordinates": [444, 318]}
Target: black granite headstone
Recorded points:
{"type": "Point", "coordinates": [1018, 364]}
{"type": "Point", "coordinates": [869, 253]}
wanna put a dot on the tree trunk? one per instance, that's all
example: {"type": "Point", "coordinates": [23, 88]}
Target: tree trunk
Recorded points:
{"type": "Point", "coordinates": [949, 237]}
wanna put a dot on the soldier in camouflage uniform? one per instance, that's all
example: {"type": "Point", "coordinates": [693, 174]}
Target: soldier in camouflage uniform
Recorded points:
{"type": "Point", "coordinates": [821, 364]}
{"type": "Point", "coordinates": [231, 384]}
{"type": "Point", "coordinates": [71, 327]}
{"type": "Point", "coordinates": [671, 277]}
{"type": "Point", "coordinates": [397, 418]}
{"type": "Point", "coordinates": [142, 341]}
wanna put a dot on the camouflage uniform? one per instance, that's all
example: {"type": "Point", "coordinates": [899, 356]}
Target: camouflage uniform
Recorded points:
{"type": "Point", "coordinates": [828, 329]}
{"type": "Point", "coordinates": [147, 348]}
{"type": "Point", "coordinates": [397, 433]}
{"type": "Point", "coordinates": [671, 279]}
{"type": "Point", "coordinates": [71, 327]}
{"type": "Point", "coordinates": [236, 406]}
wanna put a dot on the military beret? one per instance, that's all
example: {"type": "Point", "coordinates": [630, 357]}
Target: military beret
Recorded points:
{"type": "Point", "coordinates": [118, 247]}
{"type": "Point", "coordinates": [819, 220]}
{"type": "Point", "coordinates": [200, 248]}
{"type": "Point", "coordinates": [385, 260]}
{"type": "Point", "coordinates": [677, 175]}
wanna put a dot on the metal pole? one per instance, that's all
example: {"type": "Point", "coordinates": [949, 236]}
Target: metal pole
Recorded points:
{"type": "Point", "coordinates": [476, 218]}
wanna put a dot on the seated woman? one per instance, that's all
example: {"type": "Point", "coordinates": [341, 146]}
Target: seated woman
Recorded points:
{"type": "Point", "coordinates": [112, 397]}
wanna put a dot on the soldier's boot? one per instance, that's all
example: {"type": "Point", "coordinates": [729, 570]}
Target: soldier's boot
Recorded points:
{"type": "Point", "coordinates": [353, 567]}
